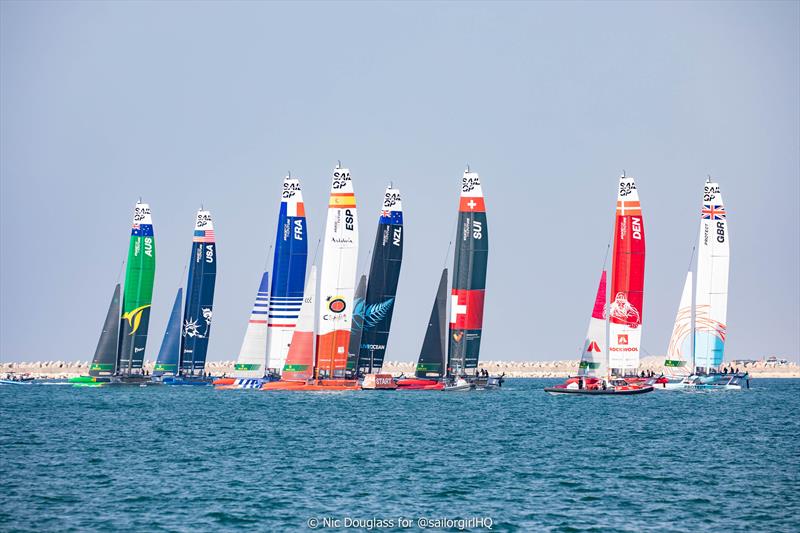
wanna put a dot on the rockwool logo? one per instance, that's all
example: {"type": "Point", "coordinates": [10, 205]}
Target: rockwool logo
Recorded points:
{"type": "Point", "coordinates": [622, 338]}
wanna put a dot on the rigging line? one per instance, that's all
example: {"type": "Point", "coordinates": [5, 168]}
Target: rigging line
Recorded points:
{"type": "Point", "coordinates": [314, 262]}
{"type": "Point", "coordinates": [266, 260]}
{"type": "Point", "coordinates": [364, 261]}
{"type": "Point", "coordinates": [185, 267]}
{"type": "Point", "coordinates": [691, 258]}
{"type": "Point", "coordinates": [119, 274]}
{"type": "Point", "coordinates": [608, 249]}
{"type": "Point", "coordinates": [450, 244]}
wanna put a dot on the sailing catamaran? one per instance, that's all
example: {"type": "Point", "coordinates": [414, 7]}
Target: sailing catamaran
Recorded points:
{"type": "Point", "coordinates": [466, 305]}
{"type": "Point", "coordinates": [120, 351]}
{"type": "Point", "coordinates": [336, 298]}
{"type": "Point", "coordinates": [698, 346]}
{"type": "Point", "coordinates": [276, 309]}
{"type": "Point", "coordinates": [381, 292]}
{"type": "Point", "coordinates": [603, 366]}
{"type": "Point", "coordinates": [189, 366]}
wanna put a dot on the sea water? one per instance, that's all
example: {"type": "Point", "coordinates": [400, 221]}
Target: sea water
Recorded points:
{"type": "Point", "coordinates": [195, 459]}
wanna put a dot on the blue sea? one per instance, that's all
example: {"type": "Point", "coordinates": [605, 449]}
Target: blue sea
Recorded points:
{"type": "Point", "coordinates": [195, 459]}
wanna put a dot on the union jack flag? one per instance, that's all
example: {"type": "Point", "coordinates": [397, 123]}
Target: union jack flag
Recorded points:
{"type": "Point", "coordinates": [714, 212]}
{"type": "Point", "coordinates": [204, 235]}
{"type": "Point", "coordinates": [386, 213]}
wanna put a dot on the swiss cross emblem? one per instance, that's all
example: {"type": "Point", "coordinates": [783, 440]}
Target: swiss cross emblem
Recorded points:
{"type": "Point", "coordinates": [622, 338]}
{"type": "Point", "coordinates": [471, 204]}
{"type": "Point", "coordinates": [456, 308]}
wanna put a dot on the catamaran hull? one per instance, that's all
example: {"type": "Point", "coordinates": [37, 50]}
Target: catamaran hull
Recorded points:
{"type": "Point", "coordinates": [319, 385]}
{"type": "Point", "coordinates": [599, 392]}
{"type": "Point", "coordinates": [419, 384]}
{"type": "Point", "coordinates": [186, 381]}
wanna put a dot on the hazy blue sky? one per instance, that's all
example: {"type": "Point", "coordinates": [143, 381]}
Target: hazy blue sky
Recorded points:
{"type": "Point", "coordinates": [183, 103]}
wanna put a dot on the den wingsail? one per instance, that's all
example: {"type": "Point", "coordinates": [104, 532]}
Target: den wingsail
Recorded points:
{"type": "Point", "coordinates": [384, 274]}
{"type": "Point", "coordinates": [627, 281]}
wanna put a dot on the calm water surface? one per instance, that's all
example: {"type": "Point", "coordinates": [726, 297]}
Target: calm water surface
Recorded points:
{"type": "Point", "coordinates": [191, 459]}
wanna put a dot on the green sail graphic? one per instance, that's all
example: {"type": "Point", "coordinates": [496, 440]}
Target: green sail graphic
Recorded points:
{"type": "Point", "coordinates": [138, 292]}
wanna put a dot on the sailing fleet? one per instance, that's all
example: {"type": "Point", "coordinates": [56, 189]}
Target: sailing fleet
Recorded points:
{"type": "Point", "coordinates": [326, 327]}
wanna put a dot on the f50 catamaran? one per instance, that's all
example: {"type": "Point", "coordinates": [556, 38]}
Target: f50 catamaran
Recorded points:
{"type": "Point", "coordinates": [128, 345]}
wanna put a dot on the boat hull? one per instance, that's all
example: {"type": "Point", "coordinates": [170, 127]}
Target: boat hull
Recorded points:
{"type": "Point", "coordinates": [186, 381]}
{"type": "Point", "coordinates": [317, 385]}
{"type": "Point", "coordinates": [600, 392]}
{"type": "Point", "coordinates": [419, 384]}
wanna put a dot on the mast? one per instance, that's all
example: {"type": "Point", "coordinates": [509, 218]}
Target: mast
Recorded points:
{"type": "Point", "coordinates": [288, 273]}
{"type": "Point", "coordinates": [337, 277]}
{"type": "Point", "coordinates": [627, 280]}
{"type": "Point", "coordinates": [138, 293]}
{"type": "Point", "coordinates": [713, 264]}
{"type": "Point", "coordinates": [105, 355]}
{"type": "Point", "coordinates": [199, 306]}
{"type": "Point", "coordinates": [469, 277]}
{"type": "Point", "coordinates": [384, 275]}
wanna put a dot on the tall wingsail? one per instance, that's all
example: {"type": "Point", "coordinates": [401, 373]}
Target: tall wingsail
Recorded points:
{"type": "Point", "coordinates": [138, 293]}
{"type": "Point", "coordinates": [169, 355]}
{"type": "Point", "coordinates": [105, 355]}
{"type": "Point", "coordinates": [288, 273]}
{"type": "Point", "coordinates": [300, 359]}
{"type": "Point", "coordinates": [337, 277]}
{"type": "Point", "coordinates": [384, 273]}
{"type": "Point", "coordinates": [679, 351]}
{"type": "Point", "coordinates": [199, 295]}
{"type": "Point", "coordinates": [252, 359]}
{"type": "Point", "coordinates": [432, 357]}
{"type": "Point", "coordinates": [357, 325]}
{"type": "Point", "coordinates": [469, 277]}
{"type": "Point", "coordinates": [711, 298]}
{"type": "Point", "coordinates": [627, 281]}
{"type": "Point", "coordinates": [594, 347]}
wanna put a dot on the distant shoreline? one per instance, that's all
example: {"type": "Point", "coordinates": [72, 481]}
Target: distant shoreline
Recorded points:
{"type": "Point", "coordinates": [512, 369]}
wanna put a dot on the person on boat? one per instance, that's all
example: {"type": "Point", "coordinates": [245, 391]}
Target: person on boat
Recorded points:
{"type": "Point", "coordinates": [580, 383]}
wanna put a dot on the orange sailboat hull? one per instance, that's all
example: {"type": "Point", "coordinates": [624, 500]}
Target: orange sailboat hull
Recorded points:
{"type": "Point", "coordinates": [313, 385]}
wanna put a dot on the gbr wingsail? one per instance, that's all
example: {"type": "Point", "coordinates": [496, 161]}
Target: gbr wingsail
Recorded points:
{"type": "Point", "coordinates": [711, 297]}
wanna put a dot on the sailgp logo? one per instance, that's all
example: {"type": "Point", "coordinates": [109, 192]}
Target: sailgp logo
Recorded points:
{"type": "Point", "coordinates": [134, 318]}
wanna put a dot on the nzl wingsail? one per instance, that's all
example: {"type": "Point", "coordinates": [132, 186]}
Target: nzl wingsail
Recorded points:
{"type": "Point", "coordinates": [469, 277]}
{"type": "Point", "coordinates": [337, 278]}
{"type": "Point", "coordinates": [199, 295]}
{"type": "Point", "coordinates": [711, 297]}
{"type": "Point", "coordinates": [384, 274]}
{"type": "Point", "coordinates": [627, 281]}
{"type": "Point", "coordinates": [138, 293]}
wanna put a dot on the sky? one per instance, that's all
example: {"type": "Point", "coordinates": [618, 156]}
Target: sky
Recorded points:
{"type": "Point", "coordinates": [210, 103]}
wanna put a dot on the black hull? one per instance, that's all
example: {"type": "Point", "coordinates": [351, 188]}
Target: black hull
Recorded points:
{"type": "Point", "coordinates": [599, 392]}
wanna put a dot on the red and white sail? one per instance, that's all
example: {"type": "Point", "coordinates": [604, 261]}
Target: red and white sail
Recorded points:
{"type": "Point", "coordinates": [627, 281]}
{"type": "Point", "coordinates": [679, 350]}
{"type": "Point", "coordinates": [593, 356]}
{"type": "Point", "coordinates": [300, 359]}
{"type": "Point", "coordinates": [337, 277]}
{"type": "Point", "coordinates": [711, 298]}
